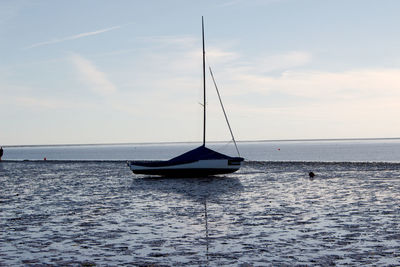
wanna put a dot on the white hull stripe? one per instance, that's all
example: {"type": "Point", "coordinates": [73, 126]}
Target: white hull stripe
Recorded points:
{"type": "Point", "coordinates": [201, 164]}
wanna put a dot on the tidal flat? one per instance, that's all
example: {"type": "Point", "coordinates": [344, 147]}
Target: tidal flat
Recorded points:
{"type": "Point", "coordinates": [267, 214]}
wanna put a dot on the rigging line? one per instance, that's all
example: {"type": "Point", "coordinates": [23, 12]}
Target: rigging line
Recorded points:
{"type": "Point", "coordinates": [223, 145]}
{"type": "Point", "coordinates": [223, 109]}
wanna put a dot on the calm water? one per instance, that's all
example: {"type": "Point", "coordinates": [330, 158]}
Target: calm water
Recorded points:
{"type": "Point", "coordinates": [339, 151]}
{"type": "Point", "coordinates": [268, 214]}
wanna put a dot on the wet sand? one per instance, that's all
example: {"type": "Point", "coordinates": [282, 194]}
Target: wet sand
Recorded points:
{"type": "Point", "coordinates": [269, 213]}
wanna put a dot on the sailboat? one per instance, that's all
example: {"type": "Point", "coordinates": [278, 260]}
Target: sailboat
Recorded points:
{"type": "Point", "coordinates": [200, 161]}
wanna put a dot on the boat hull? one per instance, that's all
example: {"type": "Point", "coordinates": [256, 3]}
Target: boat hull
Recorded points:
{"type": "Point", "coordinates": [189, 169]}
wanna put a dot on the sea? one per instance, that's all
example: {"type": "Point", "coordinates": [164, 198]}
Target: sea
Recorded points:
{"type": "Point", "coordinates": [80, 205]}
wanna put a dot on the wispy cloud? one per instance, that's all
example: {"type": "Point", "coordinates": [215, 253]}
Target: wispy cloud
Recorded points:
{"type": "Point", "coordinates": [73, 37]}
{"type": "Point", "coordinates": [181, 41]}
{"type": "Point", "coordinates": [274, 63]}
{"type": "Point", "coordinates": [285, 61]}
{"type": "Point", "coordinates": [96, 79]}
{"type": "Point", "coordinates": [44, 103]}
{"type": "Point", "coordinates": [327, 85]}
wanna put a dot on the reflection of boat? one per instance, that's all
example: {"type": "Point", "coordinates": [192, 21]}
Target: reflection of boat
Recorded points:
{"type": "Point", "coordinates": [206, 225]}
{"type": "Point", "coordinates": [200, 161]}
{"type": "Point", "coordinates": [189, 189]}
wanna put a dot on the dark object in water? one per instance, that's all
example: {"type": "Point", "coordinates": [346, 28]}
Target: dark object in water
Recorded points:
{"type": "Point", "coordinates": [311, 174]}
{"type": "Point", "coordinates": [200, 161]}
{"type": "Point", "coordinates": [193, 163]}
{"type": "Point", "coordinates": [1, 152]}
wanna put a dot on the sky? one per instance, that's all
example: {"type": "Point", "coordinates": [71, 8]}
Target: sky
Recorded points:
{"type": "Point", "coordinates": [126, 71]}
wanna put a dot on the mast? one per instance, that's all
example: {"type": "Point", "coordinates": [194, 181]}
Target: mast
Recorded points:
{"type": "Point", "coordinates": [204, 84]}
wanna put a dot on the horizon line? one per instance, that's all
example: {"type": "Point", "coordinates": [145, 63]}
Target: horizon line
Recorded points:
{"type": "Point", "coordinates": [192, 142]}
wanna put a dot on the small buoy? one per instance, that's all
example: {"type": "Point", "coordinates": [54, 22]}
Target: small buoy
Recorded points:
{"type": "Point", "coordinates": [44, 159]}
{"type": "Point", "coordinates": [311, 174]}
{"type": "Point", "coordinates": [279, 149]}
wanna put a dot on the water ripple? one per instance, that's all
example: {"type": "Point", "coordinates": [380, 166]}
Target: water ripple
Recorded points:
{"type": "Point", "coordinates": [269, 213]}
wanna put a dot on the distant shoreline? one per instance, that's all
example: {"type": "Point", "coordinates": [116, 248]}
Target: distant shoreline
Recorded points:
{"type": "Point", "coordinates": [210, 142]}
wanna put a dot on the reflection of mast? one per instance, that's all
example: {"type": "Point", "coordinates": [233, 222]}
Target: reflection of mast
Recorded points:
{"type": "Point", "coordinates": [206, 219]}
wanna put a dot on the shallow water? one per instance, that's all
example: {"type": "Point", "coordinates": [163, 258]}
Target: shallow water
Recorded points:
{"type": "Point", "coordinates": [374, 150]}
{"type": "Point", "coordinates": [269, 213]}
